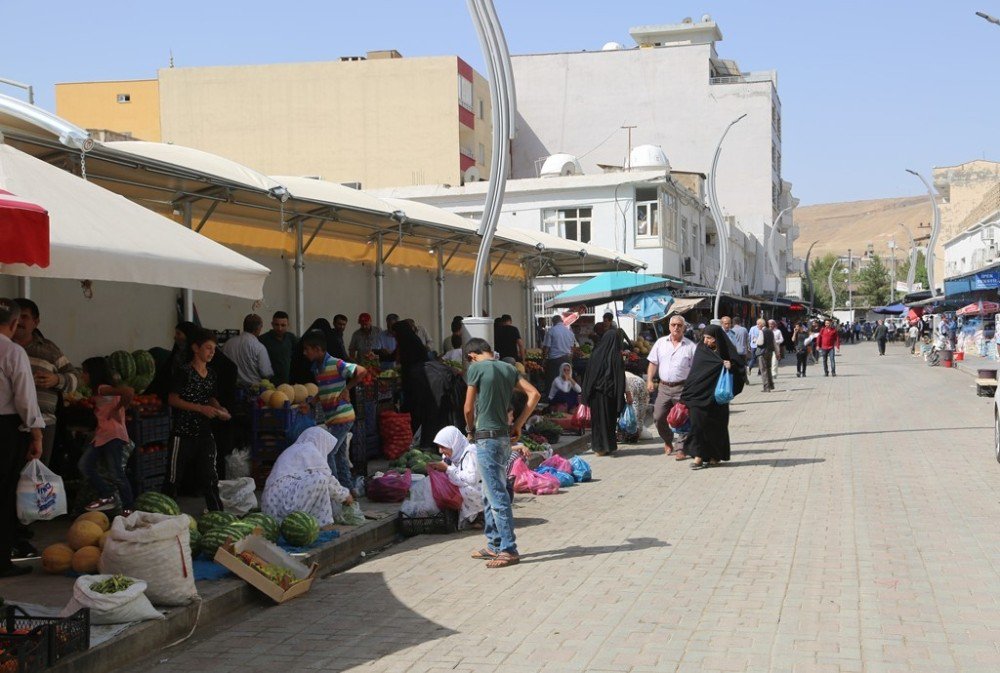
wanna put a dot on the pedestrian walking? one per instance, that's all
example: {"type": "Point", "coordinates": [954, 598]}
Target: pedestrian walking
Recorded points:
{"type": "Point", "coordinates": [709, 438]}
{"type": "Point", "coordinates": [912, 336]}
{"type": "Point", "coordinates": [670, 359]}
{"type": "Point", "coordinates": [604, 392]}
{"type": "Point", "coordinates": [779, 349]}
{"type": "Point", "coordinates": [801, 338]}
{"type": "Point", "coordinates": [829, 338]}
{"type": "Point", "coordinates": [739, 337]}
{"type": "Point", "coordinates": [753, 335]}
{"type": "Point", "coordinates": [766, 352]}
{"type": "Point", "coordinates": [881, 336]}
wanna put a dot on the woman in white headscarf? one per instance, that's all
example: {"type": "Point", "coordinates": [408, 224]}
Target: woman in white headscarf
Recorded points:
{"type": "Point", "coordinates": [565, 390]}
{"type": "Point", "coordinates": [301, 480]}
{"type": "Point", "coordinates": [462, 469]}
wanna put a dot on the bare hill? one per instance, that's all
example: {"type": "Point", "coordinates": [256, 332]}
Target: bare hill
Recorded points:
{"type": "Point", "coordinates": [855, 224]}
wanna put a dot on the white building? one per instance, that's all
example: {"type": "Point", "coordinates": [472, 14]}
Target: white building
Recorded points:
{"type": "Point", "coordinates": [675, 92]}
{"type": "Point", "coordinates": [976, 248]}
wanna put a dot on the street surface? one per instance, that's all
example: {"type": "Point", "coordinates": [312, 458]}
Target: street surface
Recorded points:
{"type": "Point", "coordinates": [857, 529]}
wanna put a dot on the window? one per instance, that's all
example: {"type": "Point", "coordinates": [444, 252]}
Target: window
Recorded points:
{"type": "Point", "coordinates": [124, 98]}
{"type": "Point", "coordinates": [647, 215]}
{"type": "Point", "coordinates": [481, 156]}
{"type": "Point", "coordinates": [465, 93]}
{"type": "Point", "coordinates": [685, 243]}
{"type": "Point", "coordinates": [570, 223]}
{"type": "Point", "coordinates": [482, 108]}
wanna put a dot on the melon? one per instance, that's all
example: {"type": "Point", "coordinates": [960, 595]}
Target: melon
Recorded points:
{"type": "Point", "coordinates": [122, 364]}
{"type": "Point", "coordinates": [300, 393]}
{"type": "Point", "coordinates": [195, 541]}
{"type": "Point", "coordinates": [265, 396]}
{"type": "Point", "coordinates": [104, 539]}
{"type": "Point", "coordinates": [213, 539]}
{"type": "Point", "coordinates": [277, 400]}
{"type": "Point", "coordinates": [85, 560]}
{"type": "Point", "coordinates": [287, 389]}
{"type": "Point", "coordinates": [238, 530]}
{"type": "Point", "coordinates": [145, 365]}
{"type": "Point", "coordinates": [312, 389]}
{"type": "Point", "coordinates": [100, 518]}
{"type": "Point", "coordinates": [57, 559]}
{"type": "Point", "coordinates": [266, 523]}
{"type": "Point", "coordinates": [300, 529]}
{"type": "Point", "coordinates": [192, 522]}
{"type": "Point", "coordinates": [84, 534]}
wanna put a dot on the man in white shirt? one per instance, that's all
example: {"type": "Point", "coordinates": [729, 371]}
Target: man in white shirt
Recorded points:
{"type": "Point", "coordinates": [248, 353]}
{"type": "Point", "coordinates": [670, 358]}
{"type": "Point", "coordinates": [912, 336]}
{"type": "Point", "coordinates": [779, 349]}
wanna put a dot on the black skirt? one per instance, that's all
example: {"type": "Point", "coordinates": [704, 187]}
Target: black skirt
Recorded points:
{"type": "Point", "coordinates": [709, 438]}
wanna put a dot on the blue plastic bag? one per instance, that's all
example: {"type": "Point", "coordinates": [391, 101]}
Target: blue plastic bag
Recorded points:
{"type": "Point", "coordinates": [724, 388]}
{"type": "Point", "coordinates": [565, 479]}
{"type": "Point", "coordinates": [581, 469]}
{"type": "Point", "coordinates": [627, 421]}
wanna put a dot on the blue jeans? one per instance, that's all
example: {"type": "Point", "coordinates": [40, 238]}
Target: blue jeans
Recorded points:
{"type": "Point", "coordinates": [111, 453]}
{"type": "Point", "coordinates": [493, 456]}
{"type": "Point", "coordinates": [338, 460]}
{"type": "Point", "coordinates": [829, 353]}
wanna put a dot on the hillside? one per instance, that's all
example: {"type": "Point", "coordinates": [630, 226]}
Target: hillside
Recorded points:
{"type": "Point", "coordinates": [855, 224]}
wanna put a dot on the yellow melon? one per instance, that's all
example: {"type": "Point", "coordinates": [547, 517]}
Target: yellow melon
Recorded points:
{"type": "Point", "coordinates": [265, 396]}
{"type": "Point", "coordinates": [277, 400]}
{"type": "Point", "coordinates": [100, 518]}
{"type": "Point", "coordinates": [85, 560]}
{"type": "Point", "coordinates": [57, 558]}
{"type": "Point", "coordinates": [83, 534]}
{"type": "Point", "coordinates": [300, 393]}
{"type": "Point", "coordinates": [312, 390]}
{"type": "Point", "coordinates": [288, 390]}
{"type": "Point", "coordinates": [104, 539]}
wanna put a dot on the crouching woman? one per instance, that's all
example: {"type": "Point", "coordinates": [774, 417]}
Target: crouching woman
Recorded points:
{"type": "Point", "coordinates": [462, 470]}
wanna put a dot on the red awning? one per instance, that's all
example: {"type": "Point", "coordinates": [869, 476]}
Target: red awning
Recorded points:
{"type": "Point", "coordinates": [979, 308]}
{"type": "Point", "coordinates": [24, 231]}
{"type": "Point", "coordinates": [913, 317]}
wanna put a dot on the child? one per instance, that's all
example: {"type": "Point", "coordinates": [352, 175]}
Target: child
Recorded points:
{"type": "Point", "coordinates": [110, 439]}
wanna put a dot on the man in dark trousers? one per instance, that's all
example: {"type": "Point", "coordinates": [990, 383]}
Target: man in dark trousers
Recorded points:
{"type": "Point", "coordinates": [881, 336]}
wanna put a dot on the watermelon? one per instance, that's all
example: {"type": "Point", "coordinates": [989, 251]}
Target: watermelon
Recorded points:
{"type": "Point", "coordinates": [145, 370]}
{"type": "Point", "coordinates": [195, 542]}
{"type": "Point", "coordinates": [123, 365]}
{"type": "Point", "coordinates": [267, 523]}
{"type": "Point", "coordinates": [244, 527]}
{"type": "Point", "coordinates": [213, 520]}
{"type": "Point", "coordinates": [300, 529]}
{"type": "Point", "coordinates": [151, 501]}
{"type": "Point", "coordinates": [212, 540]}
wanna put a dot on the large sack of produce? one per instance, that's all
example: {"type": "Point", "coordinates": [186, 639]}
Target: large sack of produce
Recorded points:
{"type": "Point", "coordinates": [238, 495]}
{"type": "Point", "coordinates": [533, 482]}
{"type": "Point", "coordinates": [565, 478]}
{"type": "Point", "coordinates": [391, 487]}
{"type": "Point", "coordinates": [112, 599]}
{"type": "Point", "coordinates": [394, 431]}
{"type": "Point", "coordinates": [155, 548]}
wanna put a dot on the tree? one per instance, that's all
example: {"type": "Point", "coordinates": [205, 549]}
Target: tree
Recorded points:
{"type": "Point", "coordinates": [873, 282]}
{"type": "Point", "coordinates": [903, 268]}
{"type": "Point", "coordinates": [819, 271]}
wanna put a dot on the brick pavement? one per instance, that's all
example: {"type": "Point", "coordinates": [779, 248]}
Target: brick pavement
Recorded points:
{"type": "Point", "coordinates": [854, 531]}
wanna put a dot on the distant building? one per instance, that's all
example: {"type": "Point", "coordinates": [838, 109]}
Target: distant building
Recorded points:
{"type": "Point", "coordinates": [376, 120]}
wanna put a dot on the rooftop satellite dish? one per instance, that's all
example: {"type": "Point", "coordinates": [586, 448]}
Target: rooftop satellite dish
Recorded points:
{"type": "Point", "coordinates": [561, 165]}
{"type": "Point", "coordinates": [706, 18]}
{"type": "Point", "coordinates": [612, 46]}
{"type": "Point", "coordinates": [687, 19]}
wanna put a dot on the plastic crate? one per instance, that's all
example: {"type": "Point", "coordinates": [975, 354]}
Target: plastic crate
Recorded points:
{"type": "Point", "coordinates": [65, 636]}
{"type": "Point", "coordinates": [268, 444]}
{"type": "Point", "coordinates": [153, 482]}
{"type": "Point", "coordinates": [150, 460]}
{"type": "Point", "coordinates": [24, 653]}
{"type": "Point", "coordinates": [442, 523]}
{"type": "Point", "coordinates": [274, 420]}
{"type": "Point", "coordinates": [144, 430]}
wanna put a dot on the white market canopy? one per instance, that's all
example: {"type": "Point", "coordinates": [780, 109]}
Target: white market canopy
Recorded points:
{"type": "Point", "coordinates": [96, 234]}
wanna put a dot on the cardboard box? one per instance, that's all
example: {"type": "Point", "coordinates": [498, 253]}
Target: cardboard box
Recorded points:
{"type": "Point", "coordinates": [270, 553]}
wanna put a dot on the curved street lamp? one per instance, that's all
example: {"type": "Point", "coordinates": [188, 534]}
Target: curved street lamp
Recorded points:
{"type": "Point", "coordinates": [833, 293]}
{"type": "Point", "coordinates": [911, 272]}
{"type": "Point", "coordinates": [720, 225]}
{"type": "Point", "coordinates": [935, 230]}
{"type": "Point", "coordinates": [812, 288]}
{"type": "Point", "coordinates": [769, 249]}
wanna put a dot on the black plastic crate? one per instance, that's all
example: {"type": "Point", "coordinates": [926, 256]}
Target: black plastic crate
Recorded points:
{"type": "Point", "coordinates": [24, 653]}
{"type": "Point", "coordinates": [268, 444]}
{"type": "Point", "coordinates": [153, 482]}
{"type": "Point", "coordinates": [144, 430]}
{"type": "Point", "coordinates": [442, 523]}
{"type": "Point", "coordinates": [274, 420]}
{"type": "Point", "coordinates": [65, 635]}
{"type": "Point", "coordinates": [150, 460]}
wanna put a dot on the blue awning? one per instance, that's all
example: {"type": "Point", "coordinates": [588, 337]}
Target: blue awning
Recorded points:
{"type": "Point", "coordinates": [892, 309]}
{"type": "Point", "coordinates": [610, 286]}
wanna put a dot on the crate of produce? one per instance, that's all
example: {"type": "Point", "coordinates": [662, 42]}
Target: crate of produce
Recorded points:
{"type": "Point", "coordinates": [63, 635]}
{"type": "Point", "coordinates": [150, 459]}
{"type": "Point", "coordinates": [24, 653]}
{"type": "Point", "coordinates": [441, 523]}
{"type": "Point", "coordinates": [265, 419]}
{"type": "Point", "coordinates": [146, 429]}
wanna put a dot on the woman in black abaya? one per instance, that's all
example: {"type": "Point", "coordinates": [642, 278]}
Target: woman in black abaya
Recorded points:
{"type": "Point", "coordinates": [604, 392]}
{"type": "Point", "coordinates": [709, 438]}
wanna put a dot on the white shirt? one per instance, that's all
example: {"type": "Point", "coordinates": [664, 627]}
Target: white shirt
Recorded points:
{"type": "Point", "coordinates": [673, 360]}
{"type": "Point", "coordinates": [17, 385]}
{"type": "Point", "coordinates": [250, 357]}
{"type": "Point", "coordinates": [778, 339]}
{"type": "Point", "coordinates": [914, 332]}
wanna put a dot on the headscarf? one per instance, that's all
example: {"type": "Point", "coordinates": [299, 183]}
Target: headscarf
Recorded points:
{"type": "Point", "coordinates": [452, 438]}
{"type": "Point", "coordinates": [307, 454]}
{"type": "Point", "coordinates": [699, 388]}
{"type": "Point", "coordinates": [561, 384]}
{"type": "Point", "coordinates": [606, 371]}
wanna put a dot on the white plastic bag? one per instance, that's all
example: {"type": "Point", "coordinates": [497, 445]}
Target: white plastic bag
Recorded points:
{"type": "Point", "coordinates": [350, 516]}
{"type": "Point", "coordinates": [238, 495]}
{"type": "Point", "coordinates": [40, 493]}
{"type": "Point", "coordinates": [155, 548]}
{"type": "Point", "coordinates": [238, 464]}
{"type": "Point", "coordinates": [122, 607]}
{"type": "Point", "coordinates": [420, 501]}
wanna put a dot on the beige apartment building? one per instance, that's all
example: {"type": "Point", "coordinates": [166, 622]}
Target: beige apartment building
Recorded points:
{"type": "Point", "coordinates": [378, 120]}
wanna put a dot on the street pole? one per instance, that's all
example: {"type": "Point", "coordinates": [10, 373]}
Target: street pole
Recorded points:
{"type": "Point", "coordinates": [720, 225]}
{"type": "Point", "coordinates": [911, 272]}
{"type": "Point", "coordinates": [770, 250]}
{"type": "Point", "coordinates": [833, 293]}
{"type": "Point", "coordinates": [892, 286]}
{"type": "Point", "coordinates": [992, 19]}
{"type": "Point", "coordinates": [850, 290]}
{"type": "Point", "coordinates": [935, 230]}
{"type": "Point", "coordinates": [812, 288]}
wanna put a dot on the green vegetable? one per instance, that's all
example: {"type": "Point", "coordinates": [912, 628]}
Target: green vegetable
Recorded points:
{"type": "Point", "coordinates": [112, 585]}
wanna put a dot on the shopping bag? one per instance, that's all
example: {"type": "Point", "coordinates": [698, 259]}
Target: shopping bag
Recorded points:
{"type": "Point", "coordinates": [724, 387]}
{"type": "Point", "coordinates": [678, 416]}
{"type": "Point", "coordinates": [581, 469]}
{"type": "Point", "coordinates": [581, 417]}
{"type": "Point", "coordinates": [420, 502]}
{"type": "Point", "coordinates": [627, 421]}
{"type": "Point", "coordinates": [390, 487]}
{"type": "Point", "coordinates": [40, 493]}
{"type": "Point", "coordinates": [565, 478]}
{"type": "Point", "coordinates": [238, 495]}
{"type": "Point", "coordinates": [559, 463]}
{"type": "Point", "coordinates": [446, 494]}
{"type": "Point", "coordinates": [533, 482]}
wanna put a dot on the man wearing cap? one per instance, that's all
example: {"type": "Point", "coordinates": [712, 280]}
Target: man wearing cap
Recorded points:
{"type": "Point", "coordinates": [557, 348]}
{"type": "Point", "coordinates": [365, 338]}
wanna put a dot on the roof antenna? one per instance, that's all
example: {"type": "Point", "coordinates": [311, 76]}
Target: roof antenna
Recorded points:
{"type": "Point", "coordinates": [171, 58]}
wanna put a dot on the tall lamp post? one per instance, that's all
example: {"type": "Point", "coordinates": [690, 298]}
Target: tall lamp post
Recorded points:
{"type": "Point", "coordinates": [769, 249]}
{"type": "Point", "coordinates": [720, 225]}
{"type": "Point", "coordinates": [911, 272]}
{"type": "Point", "coordinates": [892, 285]}
{"type": "Point", "coordinates": [833, 293]}
{"type": "Point", "coordinates": [850, 290]}
{"type": "Point", "coordinates": [935, 230]}
{"type": "Point", "coordinates": [991, 19]}
{"type": "Point", "coordinates": [812, 288]}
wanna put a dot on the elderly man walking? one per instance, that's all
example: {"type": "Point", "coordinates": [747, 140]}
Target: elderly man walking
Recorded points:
{"type": "Point", "coordinates": [670, 358]}
{"type": "Point", "coordinates": [779, 348]}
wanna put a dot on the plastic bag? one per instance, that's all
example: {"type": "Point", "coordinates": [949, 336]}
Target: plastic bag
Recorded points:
{"type": "Point", "coordinates": [724, 387]}
{"type": "Point", "coordinates": [238, 495]}
{"type": "Point", "coordinates": [518, 467]}
{"type": "Point", "coordinates": [121, 607]}
{"type": "Point", "coordinates": [581, 469]}
{"type": "Point", "coordinates": [446, 494]}
{"type": "Point", "coordinates": [238, 464]}
{"type": "Point", "coordinates": [394, 431]}
{"type": "Point", "coordinates": [565, 478]}
{"type": "Point", "coordinates": [155, 548]}
{"type": "Point", "coordinates": [558, 463]}
{"type": "Point", "coordinates": [627, 421]}
{"type": "Point", "coordinates": [390, 487]}
{"type": "Point", "coordinates": [40, 493]}
{"type": "Point", "coordinates": [351, 516]}
{"type": "Point", "coordinates": [420, 501]}
{"type": "Point", "coordinates": [581, 417]}
{"type": "Point", "coordinates": [678, 416]}
{"type": "Point", "coordinates": [533, 482]}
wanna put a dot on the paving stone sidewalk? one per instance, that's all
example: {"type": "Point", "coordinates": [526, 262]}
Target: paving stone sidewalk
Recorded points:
{"type": "Point", "coordinates": [855, 530]}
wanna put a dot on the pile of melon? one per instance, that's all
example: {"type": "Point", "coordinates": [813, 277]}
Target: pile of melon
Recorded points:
{"type": "Point", "coordinates": [285, 395]}
{"type": "Point", "coordinates": [82, 550]}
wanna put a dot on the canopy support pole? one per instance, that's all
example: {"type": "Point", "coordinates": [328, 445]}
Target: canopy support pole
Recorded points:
{"type": "Point", "coordinates": [187, 293]}
{"type": "Point", "coordinates": [379, 279]}
{"type": "Point", "coordinates": [300, 266]}
{"type": "Point", "coordinates": [24, 287]}
{"type": "Point", "coordinates": [440, 295]}
{"type": "Point", "coordinates": [529, 311]}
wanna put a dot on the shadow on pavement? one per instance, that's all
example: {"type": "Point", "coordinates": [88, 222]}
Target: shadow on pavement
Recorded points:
{"type": "Point", "coordinates": [806, 438]}
{"type": "Point", "coordinates": [776, 462]}
{"type": "Point", "coordinates": [632, 544]}
{"type": "Point", "coordinates": [756, 451]}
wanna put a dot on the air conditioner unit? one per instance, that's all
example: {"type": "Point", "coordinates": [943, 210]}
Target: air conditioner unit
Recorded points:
{"type": "Point", "coordinates": [686, 267]}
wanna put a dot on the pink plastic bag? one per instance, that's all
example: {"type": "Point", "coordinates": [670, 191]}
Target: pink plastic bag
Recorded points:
{"type": "Point", "coordinates": [559, 463]}
{"type": "Point", "coordinates": [446, 494]}
{"type": "Point", "coordinates": [391, 487]}
{"type": "Point", "coordinates": [539, 484]}
{"type": "Point", "coordinates": [518, 467]}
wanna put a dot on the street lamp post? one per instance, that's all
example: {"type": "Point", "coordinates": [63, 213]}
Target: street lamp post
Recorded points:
{"type": "Point", "coordinates": [21, 85]}
{"type": "Point", "coordinates": [892, 286]}
{"type": "Point", "coordinates": [720, 225]}
{"type": "Point", "coordinates": [935, 230]}
{"type": "Point", "coordinates": [911, 272]}
{"type": "Point", "coordinates": [812, 288]}
{"type": "Point", "coordinates": [991, 19]}
{"type": "Point", "coordinates": [833, 293]}
{"type": "Point", "coordinates": [769, 249]}
{"type": "Point", "coordinates": [850, 290]}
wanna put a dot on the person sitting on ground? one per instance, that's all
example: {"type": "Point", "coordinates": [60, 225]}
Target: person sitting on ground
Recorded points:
{"type": "Point", "coordinates": [110, 438]}
{"type": "Point", "coordinates": [301, 480]}
{"type": "Point", "coordinates": [565, 390]}
{"type": "Point", "coordinates": [462, 469]}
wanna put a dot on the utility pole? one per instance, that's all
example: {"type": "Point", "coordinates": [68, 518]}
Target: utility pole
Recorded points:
{"type": "Point", "coordinates": [850, 290]}
{"type": "Point", "coordinates": [628, 152]}
{"type": "Point", "coordinates": [892, 286]}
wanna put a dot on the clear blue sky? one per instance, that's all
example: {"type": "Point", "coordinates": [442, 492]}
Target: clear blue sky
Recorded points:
{"type": "Point", "coordinates": [867, 88]}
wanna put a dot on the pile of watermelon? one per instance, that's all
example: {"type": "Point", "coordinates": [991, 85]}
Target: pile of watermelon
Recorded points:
{"type": "Point", "coordinates": [218, 528]}
{"type": "Point", "coordinates": [157, 503]}
{"type": "Point", "coordinates": [135, 370]}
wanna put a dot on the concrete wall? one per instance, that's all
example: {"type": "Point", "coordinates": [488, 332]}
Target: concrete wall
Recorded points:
{"type": "Point", "coordinates": [94, 105]}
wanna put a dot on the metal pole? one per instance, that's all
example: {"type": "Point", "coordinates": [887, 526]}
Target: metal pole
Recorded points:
{"type": "Point", "coordinates": [440, 294]}
{"type": "Point", "coordinates": [24, 287]}
{"type": "Point", "coordinates": [188, 294]}
{"type": "Point", "coordinates": [833, 293]}
{"type": "Point", "coordinates": [935, 230]}
{"type": "Point", "coordinates": [911, 272]}
{"type": "Point", "coordinates": [770, 251]}
{"type": "Point", "coordinates": [489, 294]}
{"type": "Point", "coordinates": [812, 288]}
{"type": "Point", "coordinates": [720, 225]}
{"type": "Point", "coordinates": [850, 290]}
{"type": "Point", "coordinates": [379, 275]}
{"type": "Point", "coordinates": [892, 287]}
{"type": "Point", "coordinates": [529, 311]}
{"type": "Point", "coordinates": [300, 292]}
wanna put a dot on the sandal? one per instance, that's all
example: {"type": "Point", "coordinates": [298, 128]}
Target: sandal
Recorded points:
{"type": "Point", "coordinates": [698, 466]}
{"type": "Point", "coordinates": [681, 456]}
{"type": "Point", "coordinates": [503, 560]}
{"type": "Point", "coordinates": [484, 554]}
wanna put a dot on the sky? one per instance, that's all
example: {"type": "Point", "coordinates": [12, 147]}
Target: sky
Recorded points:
{"type": "Point", "coordinates": [867, 89]}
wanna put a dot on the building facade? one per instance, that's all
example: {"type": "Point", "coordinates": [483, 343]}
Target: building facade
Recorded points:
{"type": "Point", "coordinates": [348, 121]}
